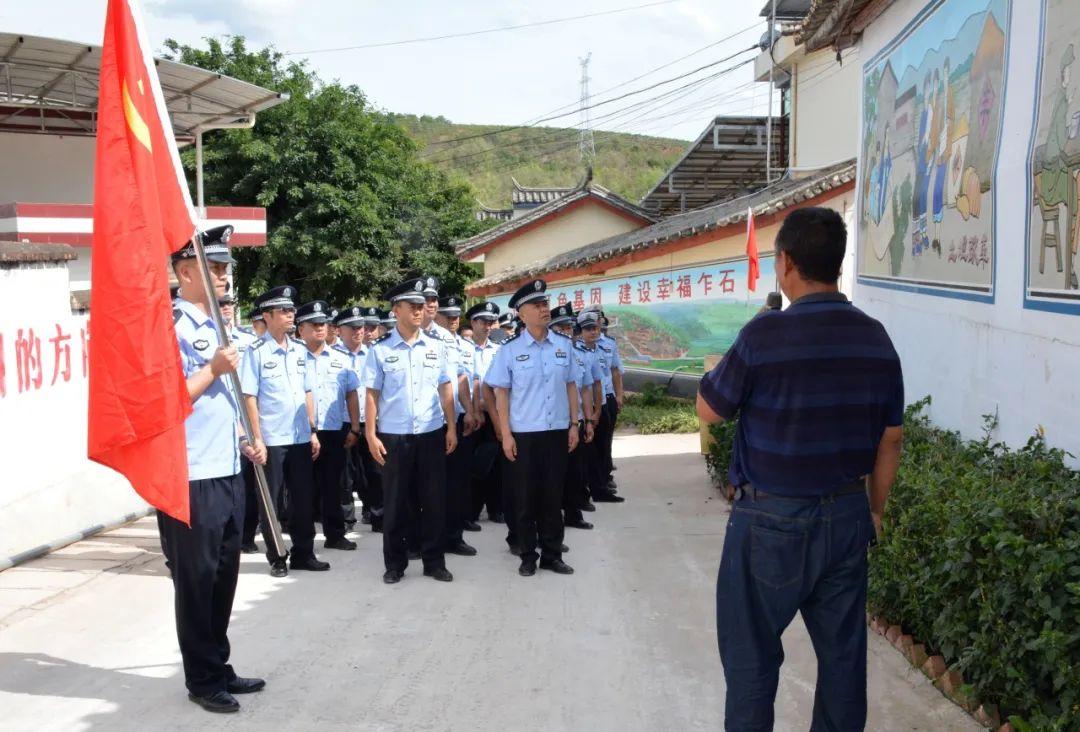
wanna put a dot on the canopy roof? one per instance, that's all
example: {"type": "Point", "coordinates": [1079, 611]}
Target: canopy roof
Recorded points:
{"type": "Point", "coordinates": [50, 86]}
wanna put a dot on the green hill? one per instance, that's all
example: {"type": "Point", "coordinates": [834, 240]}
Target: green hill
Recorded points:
{"type": "Point", "coordinates": [541, 156]}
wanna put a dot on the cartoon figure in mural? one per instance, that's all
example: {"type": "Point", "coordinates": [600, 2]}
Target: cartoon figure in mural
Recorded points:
{"type": "Point", "coordinates": [1052, 182]}
{"type": "Point", "coordinates": [943, 116]}
{"type": "Point", "coordinates": [880, 172]}
{"type": "Point", "coordinates": [922, 169]}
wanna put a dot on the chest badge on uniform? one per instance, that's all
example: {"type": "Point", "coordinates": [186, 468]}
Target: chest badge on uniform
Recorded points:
{"type": "Point", "coordinates": [523, 357]}
{"type": "Point", "coordinates": [201, 345]}
{"type": "Point", "coordinates": [391, 359]}
{"type": "Point", "coordinates": [560, 354]}
{"type": "Point", "coordinates": [431, 355]}
{"type": "Point", "coordinates": [270, 365]}
{"type": "Point", "coordinates": [299, 363]}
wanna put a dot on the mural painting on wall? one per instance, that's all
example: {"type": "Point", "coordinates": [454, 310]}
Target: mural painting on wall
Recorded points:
{"type": "Point", "coordinates": [932, 107]}
{"type": "Point", "coordinates": [1053, 235]}
{"type": "Point", "coordinates": [672, 319]}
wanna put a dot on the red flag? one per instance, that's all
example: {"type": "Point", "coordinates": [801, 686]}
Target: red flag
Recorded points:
{"type": "Point", "coordinates": [142, 213]}
{"type": "Point", "coordinates": [753, 271]}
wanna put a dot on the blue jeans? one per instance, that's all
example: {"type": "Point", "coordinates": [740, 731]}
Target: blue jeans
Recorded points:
{"type": "Point", "coordinates": [784, 555]}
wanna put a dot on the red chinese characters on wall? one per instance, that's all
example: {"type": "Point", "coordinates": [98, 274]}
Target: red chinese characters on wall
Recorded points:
{"type": "Point", "coordinates": [624, 293]}
{"type": "Point", "coordinates": [32, 365]}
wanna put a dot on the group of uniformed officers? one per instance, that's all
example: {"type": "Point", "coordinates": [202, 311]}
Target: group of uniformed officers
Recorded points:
{"type": "Point", "coordinates": [426, 426]}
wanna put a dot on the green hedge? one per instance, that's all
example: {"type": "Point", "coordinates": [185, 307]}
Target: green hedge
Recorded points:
{"type": "Point", "coordinates": [980, 560]}
{"type": "Point", "coordinates": [653, 412]}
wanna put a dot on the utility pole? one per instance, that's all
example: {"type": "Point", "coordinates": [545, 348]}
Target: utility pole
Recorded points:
{"type": "Point", "coordinates": [587, 146]}
{"type": "Point", "coordinates": [768, 123]}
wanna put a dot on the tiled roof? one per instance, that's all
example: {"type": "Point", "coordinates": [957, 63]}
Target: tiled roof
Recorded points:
{"type": "Point", "coordinates": [531, 196]}
{"type": "Point", "coordinates": [777, 197]}
{"type": "Point", "coordinates": [588, 190]}
{"type": "Point", "coordinates": [829, 22]}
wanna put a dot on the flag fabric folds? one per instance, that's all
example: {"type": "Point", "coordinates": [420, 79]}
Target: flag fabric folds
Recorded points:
{"type": "Point", "coordinates": [138, 398]}
{"type": "Point", "coordinates": [753, 270]}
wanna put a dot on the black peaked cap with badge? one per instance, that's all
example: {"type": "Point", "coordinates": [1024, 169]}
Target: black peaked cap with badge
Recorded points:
{"type": "Point", "coordinates": [373, 315]}
{"type": "Point", "coordinates": [277, 297]}
{"type": "Point", "coordinates": [254, 314]}
{"type": "Point", "coordinates": [351, 316]}
{"type": "Point", "coordinates": [506, 318]}
{"type": "Point", "coordinates": [411, 290]}
{"type": "Point", "coordinates": [215, 245]}
{"type": "Point", "coordinates": [531, 292]}
{"type": "Point", "coordinates": [563, 314]}
{"type": "Point", "coordinates": [316, 312]}
{"type": "Point", "coordinates": [484, 311]}
{"type": "Point", "coordinates": [431, 286]}
{"type": "Point", "coordinates": [451, 305]}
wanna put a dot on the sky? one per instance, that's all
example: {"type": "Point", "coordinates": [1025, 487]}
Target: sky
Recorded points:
{"type": "Point", "coordinates": [505, 78]}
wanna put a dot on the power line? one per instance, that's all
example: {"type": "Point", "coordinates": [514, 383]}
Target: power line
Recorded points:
{"type": "Point", "coordinates": [485, 31]}
{"type": "Point", "coordinates": [613, 99]}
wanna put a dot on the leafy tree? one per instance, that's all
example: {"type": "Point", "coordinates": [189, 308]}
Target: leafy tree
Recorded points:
{"type": "Point", "coordinates": [351, 209]}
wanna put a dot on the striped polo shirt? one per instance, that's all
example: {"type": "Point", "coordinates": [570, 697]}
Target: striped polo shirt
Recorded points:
{"type": "Point", "coordinates": [814, 387]}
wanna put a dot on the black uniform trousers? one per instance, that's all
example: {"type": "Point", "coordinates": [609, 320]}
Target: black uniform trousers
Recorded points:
{"type": "Point", "coordinates": [363, 476]}
{"type": "Point", "coordinates": [597, 471]}
{"type": "Point", "coordinates": [486, 472]}
{"type": "Point", "coordinates": [290, 465]}
{"type": "Point", "coordinates": [205, 561]}
{"type": "Point", "coordinates": [612, 408]}
{"type": "Point", "coordinates": [251, 500]}
{"type": "Point", "coordinates": [414, 489]}
{"type": "Point", "coordinates": [536, 479]}
{"type": "Point", "coordinates": [458, 484]}
{"type": "Point", "coordinates": [574, 484]}
{"type": "Point", "coordinates": [328, 469]}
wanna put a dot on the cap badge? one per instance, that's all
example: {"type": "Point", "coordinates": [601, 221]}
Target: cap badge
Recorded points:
{"type": "Point", "coordinates": [356, 311]}
{"type": "Point", "coordinates": [488, 307]}
{"type": "Point", "coordinates": [225, 235]}
{"type": "Point", "coordinates": [317, 307]}
{"type": "Point", "coordinates": [537, 285]}
{"type": "Point", "coordinates": [287, 292]}
{"type": "Point", "coordinates": [418, 286]}
{"type": "Point", "coordinates": [430, 281]}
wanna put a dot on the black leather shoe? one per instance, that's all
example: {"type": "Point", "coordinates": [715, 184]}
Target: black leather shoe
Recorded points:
{"type": "Point", "coordinates": [588, 506]}
{"type": "Point", "coordinates": [240, 685]}
{"type": "Point", "coordinates": [612, 486]}
{"type": "Point", "coordinates": [278, 569]}
{"type": "Point", "coordinates": [498, 518]}
{"type": "Point", "coordinates": [392, 576]}
{"type": "Point", "coordinates": [413, 554]}
{"type": "Point", "coordinates": [461, 549]}
{"type": "Point", "coordinates": [376, 524]}
{"type": "Point", "coordinates": [564, 548]}
{"type": "Point", "coordinates": [527, 568]}
{"type": "Point", "coordinates": [365, 516]}
{"type": "Point", "coordinates": [221, 702]}
{"type": "Point", "coordinates": [311, 564]}
{"type": "Point", "coordinates": [249, 548]}
{"type": "Point", "coordinates": [557, 566]}
{"type": "Point", "coordinates": [472, 526]}
{"type": "Point", "coordinates": [580, 524]}
{"type": "Point", "coordinates": [442, 574]}
{"type": "Point", "coordinates": [607, 498]}
{"type": "Point", "coordinates": [515, 549]}
{"type": "Point", "coordinates": [342, 543]}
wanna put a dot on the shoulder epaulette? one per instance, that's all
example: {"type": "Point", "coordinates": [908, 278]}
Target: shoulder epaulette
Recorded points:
{"type": "Point", "coordinates": [297, 341]}
{"type": "Point", "coordinates": [177, 313]}
{"type": "Point", "coordinates": [580, 346]}
{"type": "Point", "coordinates": [245, 329]}
{"type": "Point", "coordinates": [382, 338]}
{"type": "Point", "coordinates": [257, 344]}
{"type": "Point", "coordinates": [560, 335]}
{"type": "Point", "coordinates": [511, 338]}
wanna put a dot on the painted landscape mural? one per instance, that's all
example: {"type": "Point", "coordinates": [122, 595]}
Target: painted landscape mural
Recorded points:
{"type": "Point", "coordinates": [1052, 236]}
{"type": "Point", "coordinates": [932, 108]}
{"type": "Point", "coordinates": [673, 319]}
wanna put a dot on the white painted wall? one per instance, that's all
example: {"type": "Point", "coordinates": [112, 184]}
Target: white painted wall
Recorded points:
{"type": "Point", "coordinates": [825, 109]}
{"type": "Point", "coordinates": [48, 489]}
{"type": "Point", "coordinates": [46, 168]}
{"type": "Point", "coordinates": [980, 358]}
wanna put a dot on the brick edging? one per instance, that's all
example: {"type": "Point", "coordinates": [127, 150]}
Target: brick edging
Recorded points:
{"type": "Point", "coordinates": [946, 680]}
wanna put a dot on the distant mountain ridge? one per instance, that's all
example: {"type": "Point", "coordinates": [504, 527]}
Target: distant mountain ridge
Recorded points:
{"type": "Point", "coordinates": [630, 165]}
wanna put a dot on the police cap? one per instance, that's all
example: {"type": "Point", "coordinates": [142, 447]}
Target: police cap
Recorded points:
{"type": "Point", "coordinates": [451, 305]}
{"type": "Point", "coordinates": [215, 245]}
{"type": "Point", "coordinates": [562, 315]}
{"type": "Point", "coordinates": [408, 291]}
{"type": "Point", "coordinates": [484, 311]}
{"type": "Point", "coordinates": [530, 292]}
{"type": "Point", "coordinates": [316, 312]}
{"type": "Point", "coordinates": [277, 297]}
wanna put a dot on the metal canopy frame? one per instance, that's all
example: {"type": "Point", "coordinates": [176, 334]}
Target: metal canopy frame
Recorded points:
{"type": "Point", "coordinates": [50, 86]}
{"type": "Point", "coordinates": [728, 160]}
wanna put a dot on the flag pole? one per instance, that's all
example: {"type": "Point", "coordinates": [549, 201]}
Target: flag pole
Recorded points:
{"type": "Point", "coordinates": [262, 488]}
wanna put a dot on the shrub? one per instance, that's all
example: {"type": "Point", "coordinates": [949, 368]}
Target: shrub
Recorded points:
{"type": "Point", "coordinates": [718, 459]}
{"type": "Point", "coordinates": [980, 560]}
{"type": "Point", "coordinates": [653, 412]}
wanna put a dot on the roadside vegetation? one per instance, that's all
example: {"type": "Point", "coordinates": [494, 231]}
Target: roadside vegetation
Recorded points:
{"type": "Point", "coordinates": [652, 412]}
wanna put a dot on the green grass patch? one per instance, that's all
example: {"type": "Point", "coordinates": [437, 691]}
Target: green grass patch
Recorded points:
{"type": "Point", "coordinates": [653, 413]}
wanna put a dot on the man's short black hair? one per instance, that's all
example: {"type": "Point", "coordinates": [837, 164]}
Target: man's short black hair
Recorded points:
{"type": "Point", "coordinates": [815, 239]}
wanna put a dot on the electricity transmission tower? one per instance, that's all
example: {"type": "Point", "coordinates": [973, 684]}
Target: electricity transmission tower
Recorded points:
{"type": "Point", "coordinates": [587, 146]}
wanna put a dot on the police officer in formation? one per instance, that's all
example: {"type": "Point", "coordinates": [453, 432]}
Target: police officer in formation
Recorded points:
{"type": "Point", "coordinates": [601, 484]}
{"type": "Point", "coordinates": [410, 429]}
{"type": "Point", "coordinates": [486, 467]}
{"type": "Point", "coordinates": [277, 386]}
{"type": "Point", "coordinates": [534, 376]}
{"type": "Point", "coordinates": [204, 558]}
{"type": "Point", "coordinates": [337, 416]}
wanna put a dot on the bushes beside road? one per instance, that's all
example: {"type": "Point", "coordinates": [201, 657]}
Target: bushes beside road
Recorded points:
{"type": "Point", "coordinates": [652, 412]}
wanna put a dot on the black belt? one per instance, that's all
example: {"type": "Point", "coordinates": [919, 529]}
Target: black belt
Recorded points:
{"type": "Point", "coordinates": [858, 486]}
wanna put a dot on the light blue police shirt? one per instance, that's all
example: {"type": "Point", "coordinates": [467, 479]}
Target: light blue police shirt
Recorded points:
{"type": "Point", "coordinates": [589, 366]}
{"type": "Point", "coordinates": [610, 349]}
{"type": "Point", "coordinates": [242, 339]}
{"type": "Point", "coordinates": [334, 378]}
{"type": "Point", "coordinates": [212, 434]}
{"type": "Point", "coordinates": [536, 373]}
{"type": "Point", "coordinates": [356, 363]}
{"type": "Point", "coordinates": [482, 358]}
{"type": "Point", "coordinates": [465, 363]}
{"type": "Point", "coordinates": [455, 359]}
{"type": "Point", "coordinates": [407, 378]}
{"type": "Point", "coordinates": [279, 377]}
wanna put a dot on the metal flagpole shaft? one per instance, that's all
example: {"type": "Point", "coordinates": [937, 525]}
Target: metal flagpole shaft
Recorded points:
{"type": "Point", "coordinates": [262, 487]}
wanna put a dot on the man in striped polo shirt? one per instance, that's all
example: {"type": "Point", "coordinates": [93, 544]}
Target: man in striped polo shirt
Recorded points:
{"type": "Point", "coordinates": [819, 395]}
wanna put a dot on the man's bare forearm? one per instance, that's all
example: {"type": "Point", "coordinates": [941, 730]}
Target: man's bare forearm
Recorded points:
{"type": "Point", "coordinates": [502, 407]}
{"type": "Point", "coordinates": [251, 404]}
{"type": "Point", "coordinates": [886, 465]}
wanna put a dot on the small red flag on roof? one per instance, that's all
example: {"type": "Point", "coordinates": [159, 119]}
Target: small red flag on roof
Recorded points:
{"type": "Point", "coordinates": [753, 269]}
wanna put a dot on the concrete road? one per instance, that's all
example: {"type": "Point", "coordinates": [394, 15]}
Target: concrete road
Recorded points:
{"type": "Point", "coordinates": [627, 643]}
